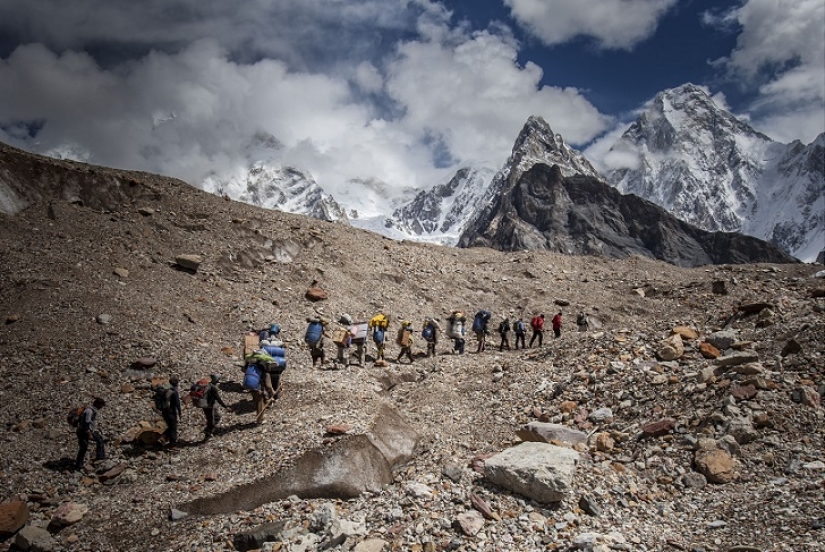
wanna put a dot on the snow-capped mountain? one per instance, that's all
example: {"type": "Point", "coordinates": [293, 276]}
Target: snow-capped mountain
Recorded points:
{"type": "Point", "coordinates": [441, 213]}
{"type": "Point", "coordinates": [712, 170]}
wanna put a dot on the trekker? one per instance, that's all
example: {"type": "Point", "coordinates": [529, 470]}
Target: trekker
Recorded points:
{"type": "Point", "coordinates": [503, 331]}
{"type": "Point", "coordinates": [210, 411]}
{"type": "Point", "coordinates": [341, 338]}
{"type": "Point", "coordinates": [583, 322]}
{"type": "Point", "coordinates": [429, 332]}
{"type": "Point", "coordinates": [358, 337]}
{"type": "Point", "coordinates": [86, 432]}
{"type": "Point", "coordinates": [405, 340]}
{"type": "Point", "coordinates": [480, 322]}
{"type": "Point", "coordinates": [556, 325]}
{"type": "Point", "coordinates": [314, 338]}
{"type": "Point", "coordinates": [171, 410]}
{"type": "Point", "coordinates": [537, 324]}
{"type": "Point", "coordinates": [520, 330]}
{"type": "Point", "coordinates": [379, 324]}
{"type": "Point", "coordinates": [456, 330]}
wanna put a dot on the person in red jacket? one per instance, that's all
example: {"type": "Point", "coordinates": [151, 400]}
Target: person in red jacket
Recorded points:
{"type": "Point", "coordinates": [557, 325]}
{"type": "Point", "coordinates": [537, 323]}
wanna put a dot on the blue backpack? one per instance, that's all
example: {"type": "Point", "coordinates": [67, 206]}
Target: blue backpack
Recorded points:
{"type": "Point", "coordinates": [519, 327]}
{"type": "Point", "coordinates": [428, 332]}
{"type": "Point", "coordinates": [252, 377]}
{"type": "Point", "coordinates": [479, 320]}
{"type": "Point", "coordinates": [378, 336]}
{"type": "Point", "coordinates": [314, 332]}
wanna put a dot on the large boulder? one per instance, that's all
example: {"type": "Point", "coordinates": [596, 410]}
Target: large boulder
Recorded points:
{"type": "Point", "coordinates": [671, 348]}
{"type": "Point", "coordinates": [539, 471]}
{"type": "Point", "coordinates": [13, 516]}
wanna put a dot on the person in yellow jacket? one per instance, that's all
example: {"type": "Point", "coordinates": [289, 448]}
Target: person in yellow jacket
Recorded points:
{"type": "Point", "coordinates": [405, 340]}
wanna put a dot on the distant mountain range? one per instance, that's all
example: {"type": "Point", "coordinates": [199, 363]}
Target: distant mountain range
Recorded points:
{"type": "Point", "coordinates": [699, 162]}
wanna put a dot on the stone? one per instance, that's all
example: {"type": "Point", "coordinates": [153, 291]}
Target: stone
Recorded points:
{"type": "Point", "coordinates": [749, 369]}
{"type": "Point", "coordinates": [539, 471]}
{"type": "Point", "coordinates": [68, 513]}
{"type": "Point", "coordinates": [122, 273]}
{"type": "Point", "coordinates": [189, 262]}
{"type": "Point", "coordinates": [370, 545]}
{"type": "Point", "coordinates": [686, 333]}
{"type": "Point", "coordinates": [176, 515]}
{"type": "Point", "coordinates": [601, 415]}
{"type": "Point", "coordinates": [542, 432]}
{"type": "Point", "coordinates": [34, 539]}
{"type": "Point", "coordinates": [722, 340]}
{"type": "Point", "coordinates": [588, 506]}
{"type": "Point", "coordinates": [705, 375]}
{"type": "Point", "coordinates": [469, 523]}
{"type": "Point", "coordinates": [112, 473]}
{"type": "Point", "coordinates": [718, 466]}
{"type": "Point", "coordinates": [671, 348]}
{"type": "Point", "coordinates": [104, 319]}
{"type": "Point", "coordinates": [719, 287]}
{"type": "Point", "coordinates": [792, 347]}
{"type": "Point", "coordinates": [13, 516]}
{"type": "Point", "coordinates": [742, 430]}
{"type": "Point", "coordinates": [604, 442]}
{"type": "Point", "coordinates": [658, 428]}
{"type": "Point", "coordinates": [754, 308]}
{"type": "Point", "coordinates": [483, 507]}
{"type": "Point", "coordinates": [315, 293]}
{"type": "Point", "coordinates": [806, 396]}
{"type": "Point", "coordinates": [255, 538]}
{"type": "Point", "coordinates": [12, 318]}
{"type": "Point", "coordinates": [737, 358]}
{"type": "Point", "coordinates": [339, 429]}
{"type": "Point", "coordinates": [709, 351]}
{"type": "Point", "coordinates": [453, 472]}
{"type": "Point", "coordinates": [567, 407]}
{"type": "Point", "coordinates": [743, 392]}
{"type": "Point", "coordinates": [693, 480]}
{"type": "Point", "coordinates": [143, 363]}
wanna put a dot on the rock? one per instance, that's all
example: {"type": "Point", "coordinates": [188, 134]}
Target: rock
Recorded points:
{"type": "Point", "coordinates": [542, 432]}
{"type": "Point", "coordinates": [104, 319]}
{"type": "Point", "coordinates": [254, 539]}
{"type": "Point", "coordinates": [671, 348]}
{"type": "Point", "coordinates": [806, 396]}
{"type": "Point", "coordinates": [370, 545]}
{"type": "Point", "coordinates": [709, 351]}
{"type": "Point", "coordinates": [562, 302]}
{"type": "Point", "coordinates": [469, 523]}
{"type": "Point", "coordinates": [453, 472]}
{"type": "Point", "coordinates": [68, 513]}
{"type": "Point", "coordinates": [743, 548]}
{"type": "Point", "coordinates": [722, 340]}
{"type": "Point", "coordinates": [719, 287]}
{"type": "Point", "coordinates": [743, 392]}
{"type": "Point", "coordinates": [567, 407]}
{"type": "Point", "coordinates": [143, 363]}
{"type": "Point", "coordinates": [12, 318]}
{"type": "Point", "coordinates": [658, 428]}
{"type": "Point", "coordinates": [792, 347]}
{"type": "Point", "coordinates": [189, 262]}
{"type": "Point", "coordinates": [693, 480]}
{"type": "Point", "coordinates": [604, 442]}
{"type": "Point", "coordinates": [686, 333]}
{"type": "Point", "coordinates": [705, 375]}
{"type": "Point", "coordinates": [754, 308]}
{"type": "Point", "coordinates": [34, 539]}
{"type": "Point", "coordinates": [122, 273]}
{"type": "Point", "coordinates": [315, 293]}
{"type": "Point", "coordinates": [588, 506]}
{"type": "Point", "coordinates": [13, 516]}
{"type": "Point", "coordinates": [539, 471]}
{"type": "Point", "coordinates": [339, 429]}
{"type": "Point", "coordinates": [737, 358]}
{"type": "Point", "coordinates": [483, 507]}
{"type": "Point", "coordinates": [419, 490]}
{"type": "Point", "coordinates": [749, 369]}
{"type": "Point", "coordinates": [112, 473]}
{"type": "Point", "coordinates": [601, 415]}
{"type": "Point", "coordinates": [176, 515]}
{"type": "Point", "coordinates": [718, 466]}
{"type": "Point", "coordinates": [742, 430]}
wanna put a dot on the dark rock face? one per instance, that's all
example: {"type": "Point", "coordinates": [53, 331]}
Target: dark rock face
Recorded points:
{"type": "Point", "coordinates": [580, 215]}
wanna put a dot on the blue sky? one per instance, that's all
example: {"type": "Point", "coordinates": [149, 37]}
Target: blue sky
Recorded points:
{"type": "Point", "coordinates": [404, 91]}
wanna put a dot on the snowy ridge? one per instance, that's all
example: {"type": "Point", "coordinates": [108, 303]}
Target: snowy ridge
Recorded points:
{"type": "Point", "coordinates": [712, 170]}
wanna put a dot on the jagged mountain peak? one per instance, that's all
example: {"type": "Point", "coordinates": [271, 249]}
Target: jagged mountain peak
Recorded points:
{"type": "Point", "coordinates": [538, 143]}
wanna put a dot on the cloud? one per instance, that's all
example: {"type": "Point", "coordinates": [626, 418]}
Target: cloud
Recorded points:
{"type": "Point", "coordinates": [614, 24]}
{"type": "Point", "coordinates": [779, 51]}
{"type": "Point", "coordinates": [605, 159]}
{"type": "Point", "coordinates": [403, 101]}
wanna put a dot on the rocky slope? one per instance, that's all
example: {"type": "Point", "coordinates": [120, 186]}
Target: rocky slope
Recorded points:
{"type": "Point", "coordinates": [581, 215]}
{"type": "Point", "coordinates": [92, 283]}
{"type": "Point", "coordinates": [714, 171]}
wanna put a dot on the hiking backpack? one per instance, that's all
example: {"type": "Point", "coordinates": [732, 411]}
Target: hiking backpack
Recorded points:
{"type": "Point", "coordinates": [428, 332]}
{"type": "Point", "coordinates": [197, 393]}
{"type": "Point", "coordinates": [520, 327]}
{"type": "Point", "coordinates": [378, 335]}
{"type": "Point", "coordinates": [163, 396]}
{"type": "Point", "coordinates": [504, 327]}
{"type": "Point", "coordinates": [74, 416]}
{"type": "Point", "coordinates": [404, 337]}
{"type": "Point", "coordinates": [314, 332]}
{"type": "Point", "coordinates": [480, 319]}
{"type": "Point", "coordinates": [252, 377]}
{"type": "Point", "coordinates": [536, 323]}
